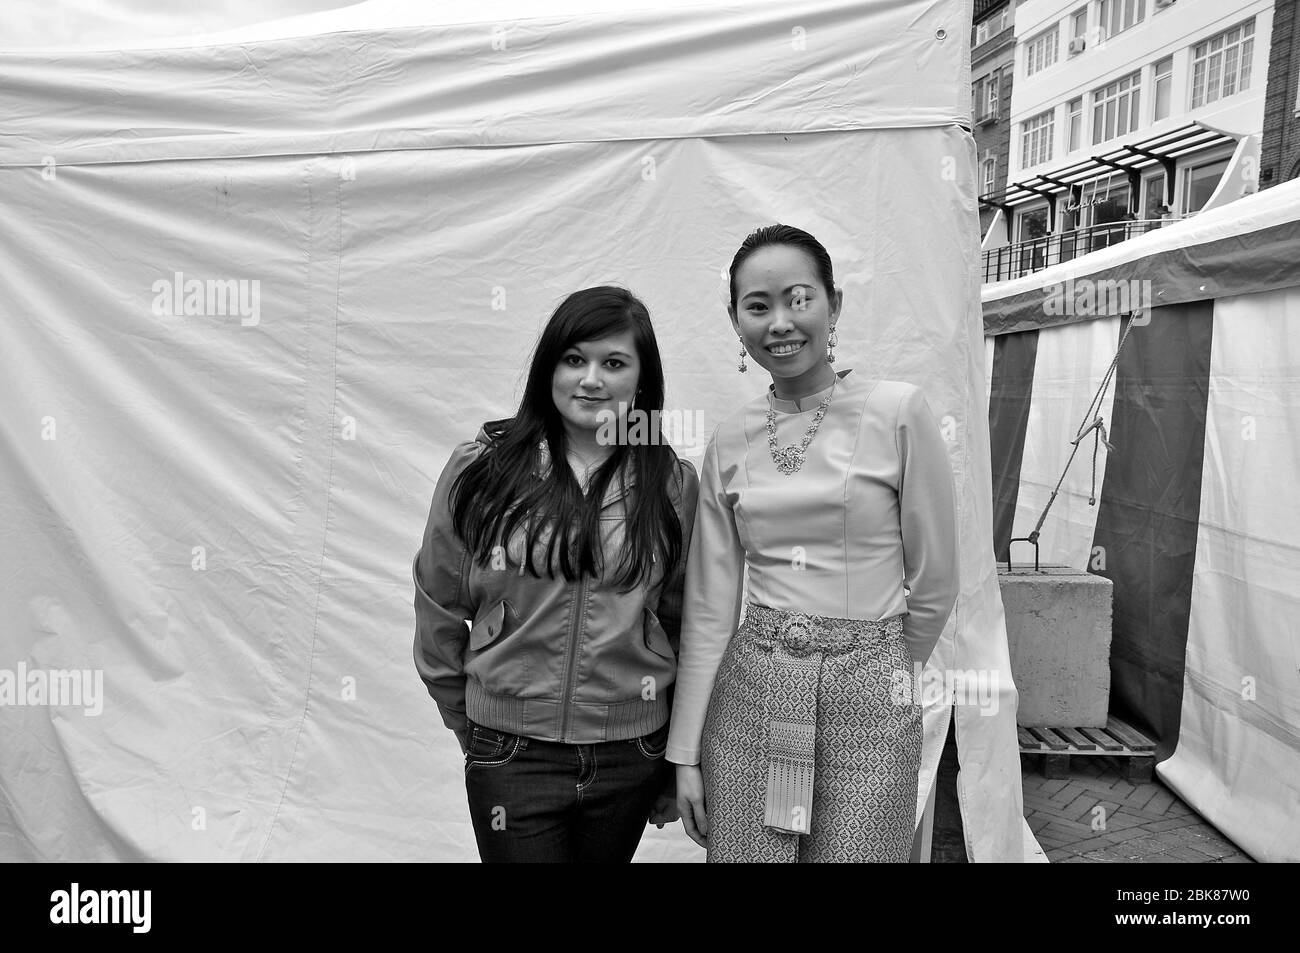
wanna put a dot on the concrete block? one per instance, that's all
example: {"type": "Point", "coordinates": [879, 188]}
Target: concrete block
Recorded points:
{"type": "Point", "coordinates": [1058, 631]}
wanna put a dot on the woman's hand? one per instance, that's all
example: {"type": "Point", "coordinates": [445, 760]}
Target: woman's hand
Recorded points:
{"type": "Point", "coordinates": [664, 811]}
{"type": "Point", "coordinates": [690, 802]}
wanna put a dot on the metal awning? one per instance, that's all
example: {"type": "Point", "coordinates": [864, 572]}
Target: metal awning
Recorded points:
{"type": "Point", "coordinates": [1163, 149]}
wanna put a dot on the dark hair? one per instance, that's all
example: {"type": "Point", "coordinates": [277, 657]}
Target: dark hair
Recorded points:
{"type": "Point", "coordinates": [784, 235]}
{"type": "Point", "coordinates": [497, 494]}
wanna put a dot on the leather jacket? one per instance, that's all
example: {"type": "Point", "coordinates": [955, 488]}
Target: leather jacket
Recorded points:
{"type": "Point", "coordinates": [576, 662]}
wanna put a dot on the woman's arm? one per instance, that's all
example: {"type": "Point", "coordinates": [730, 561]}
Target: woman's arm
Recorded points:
{"type": "Point", "coordinates": [442, 601]}
{"type": "Point", "coordinates": [928, 514]}
{"type": "Point", "coordinates": [710, 609]}
{"type": "Point", "coordinates": [669, 609]}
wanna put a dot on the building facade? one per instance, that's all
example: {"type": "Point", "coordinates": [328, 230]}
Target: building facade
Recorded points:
{"type": "Point", "coordinates": [1126, 114]}
{"type": "Point", "coordinates": [1280, 149]}
{"type": "Point", "coordinates": [993, 48]}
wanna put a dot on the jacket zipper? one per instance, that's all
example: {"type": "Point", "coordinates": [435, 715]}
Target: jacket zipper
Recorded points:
{"type": "Point", "coordinates": [580, 609]}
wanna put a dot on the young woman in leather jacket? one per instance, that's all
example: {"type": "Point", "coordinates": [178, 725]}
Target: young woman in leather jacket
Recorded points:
{"type": "Point", "coordinates": [559, 536]}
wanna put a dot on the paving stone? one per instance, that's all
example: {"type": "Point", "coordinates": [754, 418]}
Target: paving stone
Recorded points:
{"type": "Point", "coordinates": [1141, 797]}
{"type": "Point", "coordinates": [1171, 839]}
{"type": "Point", "coordinates": [1122, 789]}
{"type": "Point", "coordinates": [1130, 833]}
{"type": "Point", "coordinates": [1189, 854]}
{"type": "Point", "coordinates": [1145, 844]}
{"type": "Point", "coordinates": [1081, 806]}
{"type": "Point", "coordinates": [1068, 793]}
{"type": "Point", "coordinates": [1040, 801]}
{"type": "Point", "coordinates": [1212, 847]}
{"type": "Point", "coordinates": [1107, 855]}
{"type": "Point", "coordinates": [1160, 803]}
{"type": "Point", "coordinates": [1123, 820]}
{"type": "Point", "coordinates": [1092, 843]}
{"type": "Point", "coordinates": [1070, 828]}
{"type": "Point", "coordinates": [1109, 809]}
{"type": "Point", "coordinates": [1145, 816]}
{"type": "Point", "coordinates": [1104, 784]}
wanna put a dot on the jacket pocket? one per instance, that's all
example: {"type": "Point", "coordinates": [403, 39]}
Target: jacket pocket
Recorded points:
{"type": "Point", "coordinates": [491, 626]}
{"type": "Point", "coordinates": [656, 639]}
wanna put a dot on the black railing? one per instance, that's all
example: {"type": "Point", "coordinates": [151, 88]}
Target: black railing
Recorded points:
{"type": "Point", "coordinates": [1035, 254]}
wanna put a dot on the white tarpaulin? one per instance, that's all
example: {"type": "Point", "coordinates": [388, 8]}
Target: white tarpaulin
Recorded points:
{"type": "Point", "coordinates": [1194, 521]}
{"type": "Point", "coordinates": [257, 289]}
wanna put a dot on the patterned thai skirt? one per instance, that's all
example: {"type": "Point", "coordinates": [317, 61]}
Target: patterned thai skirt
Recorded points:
{"type": "Point", "coordinates": [810, 751]}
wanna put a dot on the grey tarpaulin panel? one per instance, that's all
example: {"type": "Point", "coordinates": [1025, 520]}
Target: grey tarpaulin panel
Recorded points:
{"type": "Point", "coordinates": [1255, 261]}
{"type": "Point", "coordinates": [1150, 508]}
{"type": "Point", "coordinates": [1010, 394]}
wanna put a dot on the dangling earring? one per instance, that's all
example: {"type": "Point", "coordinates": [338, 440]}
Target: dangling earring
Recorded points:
{"type": "Point", "coordinates": [741, 367]}
{"type": "Point", "coordinates": [830, 346]}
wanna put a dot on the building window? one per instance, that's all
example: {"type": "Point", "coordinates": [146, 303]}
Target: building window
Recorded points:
{"type": "Point", "coordinates": [1033, 224]}
{"type": "Point", "coordinates": [1221, 64]}
{"type": "Point", "coordinates": [1078, 31]}
{"type": "Point", "coordinates": [1040, 52]}
{"type": "Point", "coordinates": [1036, 139]}
{"type": "Point", "coordinates": [984, 97]}
{"type": "Point", "coordinates": [1079, 23]}
{"type": "Point", "coordinates": [988, 175]}
{"type": "Point", "coordinates": [1116, 16]}
{"type": "Point", "coordinates": [990, 27]}
{"type": "Point", "coordinates": [1153, 196]}
{"type": "Point", "coordinates": [1201, 183]}
{"type": "Point", "coordinates": [1074, 124]}
{"type": "Point", "coordinates": [1164, 75]}
{"type": "Point", "coordinates": [1115, 108]}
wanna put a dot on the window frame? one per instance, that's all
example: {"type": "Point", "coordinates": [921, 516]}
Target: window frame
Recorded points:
{"type": "Point", "coordinates": [1075, 30]}
{"type": "Point", "coordinates": [1155, 88]}
{"type": "Point", "coordinates": [1213, 60]}
{"type": "Point", "coordinates": [1070, 116]}
{"type": "Point", "coordinates": [1050, 52]}
{"type": "Point", "coordinates": [1043, 133]}
{"type": "Point", "coordinates": [1187, 171]}
{"type": "Point", "coordinates": [1105, 16]}
{"type": "Point", "coordinates": [1134, 106]}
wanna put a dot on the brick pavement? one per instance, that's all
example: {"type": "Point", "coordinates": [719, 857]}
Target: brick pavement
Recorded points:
{"type": "Point", "coordinates": [1095, 816]}
{"type": "Point", "coordinates": [1092, 816]}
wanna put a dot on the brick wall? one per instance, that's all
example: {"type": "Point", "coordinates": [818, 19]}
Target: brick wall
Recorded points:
{"type": "Point", "coordinates": [1280, 143]}
{"type": "Point", "coordinates": [994, 137]}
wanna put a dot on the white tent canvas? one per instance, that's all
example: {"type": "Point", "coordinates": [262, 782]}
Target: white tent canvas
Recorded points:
{"type": "Point", "coordinates": [260, 285]}
{"type": "Point", "coordinates": [1193, 519]}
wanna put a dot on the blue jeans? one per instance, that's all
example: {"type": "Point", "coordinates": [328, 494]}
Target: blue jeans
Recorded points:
{"type": "Point", "coordinates": [546, 802]}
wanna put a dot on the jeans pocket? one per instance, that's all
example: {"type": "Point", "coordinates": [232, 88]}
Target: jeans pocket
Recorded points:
{"type": "Point", "coordinates": [488, 747]}
{"type": "Point", "coordinates": [653, 745]}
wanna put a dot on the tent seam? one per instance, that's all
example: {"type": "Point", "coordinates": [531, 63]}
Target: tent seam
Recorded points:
{"type": "Point", "coordinates": [329, 487]}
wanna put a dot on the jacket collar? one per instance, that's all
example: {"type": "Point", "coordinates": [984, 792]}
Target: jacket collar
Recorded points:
{"type": "Point", "coordinates": [617, 489]}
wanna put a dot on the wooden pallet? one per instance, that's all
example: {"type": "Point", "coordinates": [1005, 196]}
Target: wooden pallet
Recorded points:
{"type": "Point", "coordinates": [1117, 740]}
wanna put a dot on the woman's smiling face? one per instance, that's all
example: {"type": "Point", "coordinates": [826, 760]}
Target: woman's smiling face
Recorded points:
{"type": "Point", "coordinates": [594, 377]}
{"type": "Point", "coordinates": [783, 314]}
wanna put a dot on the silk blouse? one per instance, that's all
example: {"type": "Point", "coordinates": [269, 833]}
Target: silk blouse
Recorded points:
{"type": "Point", "coordinates": [865, 529]}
